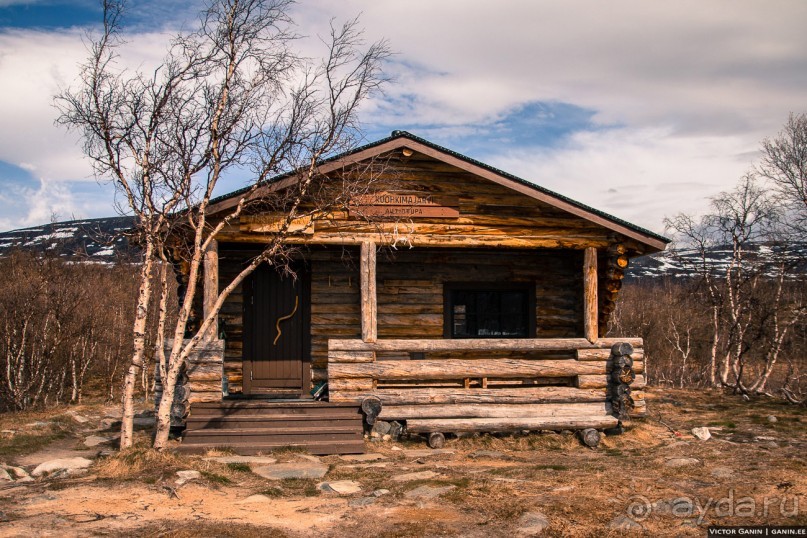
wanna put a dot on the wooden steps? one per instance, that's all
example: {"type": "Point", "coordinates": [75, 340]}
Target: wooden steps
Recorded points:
{"type": "Point", "coordinates": [253, 426]}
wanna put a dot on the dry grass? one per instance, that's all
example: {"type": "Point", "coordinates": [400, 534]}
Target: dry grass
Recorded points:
{"type": "Point", "coordinates": [579, 490]}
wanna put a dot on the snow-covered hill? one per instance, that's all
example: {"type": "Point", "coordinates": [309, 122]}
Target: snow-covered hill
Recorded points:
{"type": "Point", "coordinates": [98, 240]}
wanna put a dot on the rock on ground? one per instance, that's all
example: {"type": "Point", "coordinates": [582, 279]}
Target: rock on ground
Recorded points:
{"type": "Point", "coordinates": [702, 433]}
{"type": "Point", "coordinates": [532, 523]}
{"type": "Point", "coordinates": [280, 471]}
{"type": "Point", "coordinates": [427, 492]}
{"type": "Point", "coordinates": [187, 476]}
{"type": "Point", "coordinates": [4, 476]}
{"type": "Point", "coordinates": [681, 462]}
{"type": "Point", "coordinates": [63, 464]}
{"type": "Point", "coordinates": [408, 477]}
{"type": "Point", "coordinates": [95, 440]}
{"type": "Point", "coordinates": [342, 487]}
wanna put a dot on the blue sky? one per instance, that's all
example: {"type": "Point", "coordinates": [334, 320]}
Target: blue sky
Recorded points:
{"type": "Point", "coordinates": [640, 109]}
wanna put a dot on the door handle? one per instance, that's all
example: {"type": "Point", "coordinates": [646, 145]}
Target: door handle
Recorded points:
{"type": "Point", "coordinates": [284, 318]}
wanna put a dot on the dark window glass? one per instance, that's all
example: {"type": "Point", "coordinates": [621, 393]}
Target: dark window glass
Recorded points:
{"type": "Point", "coordinates": [481, 313]}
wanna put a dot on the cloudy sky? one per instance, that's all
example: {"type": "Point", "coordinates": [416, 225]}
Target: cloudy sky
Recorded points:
{"type": "Point", "coordinates": [642, 109]}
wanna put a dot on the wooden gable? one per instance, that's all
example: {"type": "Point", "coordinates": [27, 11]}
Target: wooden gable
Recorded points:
{"type": "Point", "coordinates": [430, 196]}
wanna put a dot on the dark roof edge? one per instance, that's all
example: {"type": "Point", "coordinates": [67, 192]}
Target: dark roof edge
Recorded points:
{"type": "Point", "coordinates": [405, 134]}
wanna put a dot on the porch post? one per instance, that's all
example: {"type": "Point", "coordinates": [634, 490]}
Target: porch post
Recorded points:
{"type": "Point", "coordinates": [590, 294]}
{"type": "Point", "coordinates": [369, 306]}
{"type": "Point", "coordinates": [211, 286]}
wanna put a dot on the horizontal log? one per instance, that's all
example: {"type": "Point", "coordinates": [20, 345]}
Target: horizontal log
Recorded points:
{"type": "Point", "coordinates": [351, 356]}
{"type": "Point", "coordinates": [487, 344]}
{"type": "Point", "coordinates": [205, 386]}
{"type": "Point", "coordinates": [363, 384]}
{"type": "Point", "coordinates": [405, 412]}
{"type": "Point", "coordinates": [199, 397]}
{"type": "Point", "coordinates": [604, 354]}
{"type": "Point", "coordinates": [509, 424]}
{"type": "Point", "coordinates": [460, 368]}
{"type": "Point", "coordinates": [194, 369]}
{"type": "Point", "coordinates": [601, 381]}
{"type": "Point", "coordinates": [423, 396]}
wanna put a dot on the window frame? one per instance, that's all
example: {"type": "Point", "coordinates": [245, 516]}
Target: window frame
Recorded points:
{"type": "Point", "coordinates": [448, 305]}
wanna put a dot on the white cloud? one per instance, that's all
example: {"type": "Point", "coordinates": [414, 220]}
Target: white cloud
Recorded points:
{"type": "Point", "coordinates": [639, 175]}
{"type": "Point", "coordinates": [687, 88]}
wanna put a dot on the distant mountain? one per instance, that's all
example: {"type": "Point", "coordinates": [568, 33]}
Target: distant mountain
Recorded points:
{"type": "Point", "coordinates": [679, 264]}
{"type": "Point", "coordinates": [104, 241]}
{"type": "Point", "coordinates": [97, 240]}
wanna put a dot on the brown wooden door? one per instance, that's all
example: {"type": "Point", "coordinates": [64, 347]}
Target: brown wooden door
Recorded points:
{"type": "Point", "coordinates": [277, 334]}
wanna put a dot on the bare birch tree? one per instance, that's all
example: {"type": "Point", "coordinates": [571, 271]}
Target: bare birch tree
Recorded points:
{"type": "Point", "coordinates": [231, 96]}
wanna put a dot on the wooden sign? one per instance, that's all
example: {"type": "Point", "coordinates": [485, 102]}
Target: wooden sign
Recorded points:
{"type": "Point", "coordinates": [403, 205]}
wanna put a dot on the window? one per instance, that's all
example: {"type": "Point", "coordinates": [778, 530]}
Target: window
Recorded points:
{"type": "Point", "coordinates": [489, 310]}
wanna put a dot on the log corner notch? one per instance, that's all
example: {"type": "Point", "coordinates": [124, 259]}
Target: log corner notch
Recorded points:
{"type": "Point", "coordinates": [622, 375]}
{"type": "Point", "coordinates": [590, 301]}
{"type": "Point", "coordinates": [369, 301]}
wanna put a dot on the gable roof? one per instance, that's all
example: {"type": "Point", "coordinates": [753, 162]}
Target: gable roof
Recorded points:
{"type": "Point", "coordinates": [401, 139]}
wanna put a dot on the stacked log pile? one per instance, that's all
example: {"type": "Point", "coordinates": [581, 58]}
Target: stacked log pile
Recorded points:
{"type": "Point", "coordinates": [436, 400]}
{"type": "Point", "coordinates": [200, 380]}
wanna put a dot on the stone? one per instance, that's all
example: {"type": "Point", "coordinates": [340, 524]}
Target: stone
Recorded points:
{"type": "Point", "coordinates": [254, 499]}
{"type": "Point", "coordinates": [702, 433]}
{"type": "Point", "coordinates": [624, 523]}
{"type": "Point", "coordinates": [63, 464]}
{"type": "Point", "coordinates": [342, 487]}
{"type": "Point", "coordinates": [722, 472]}
{"type": "Point", "coordinates": [250, 460]}
{"type": "Point", "coordinates": [361, 501]}
{"type": "Point", "coordinates": [681, 462]}
{"type": "Point", "coordinates": [309, 457]}
{"type": "Point", "coordinates": [772, 419]}
{"type": "Point", "coordinates": [8, 434]}
{"type": "Point", "coordinates": [17, 472]}
{"type": "Point", "coordinates": [187, 476]}
{"type": "Point", "coordinates": [419, 453]}
{"type": "Point", "coordinates": [532, 523]}
{"type": "Point", "coordinates": [79, 419]}
{"type": "Point", "coordinates": [408, 477]}
{"type": "Point", "coordinates": [95, 440]}
{"type": "Point", "coordinates": [38, 424]}
{"type": "Point", "coordinates": [370, 456]}
{"type": "Point", "coordinates": [281, 471]}
{"type": "Point", "coordinates": [372, 465]}
{"type": "Point", "coordinates": [386, 437]}
{"type": "Point", "coordinates": [380, 492]}
{"type": "Point", "coordinates": [4, 476]}
{"type": "Point", "coordinates": [107, 423]}
{"type": "Point", "coordinates": [492, 454]}
{"type": "Point", "coordinates": [764, 438]}
{"type": "Point", "coordinates": [427, 492]}
{"type": "Point", "coordinates": [381, 427]}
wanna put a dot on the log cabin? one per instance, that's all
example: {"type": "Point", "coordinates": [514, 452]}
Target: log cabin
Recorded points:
{"type": "Point", "coordinates": [449, 296]}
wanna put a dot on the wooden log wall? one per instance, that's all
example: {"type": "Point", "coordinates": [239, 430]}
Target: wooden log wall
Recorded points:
{"type": "Point", "coordinates": [409, 291]}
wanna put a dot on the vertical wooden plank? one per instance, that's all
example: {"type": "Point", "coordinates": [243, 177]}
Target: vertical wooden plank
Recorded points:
{"type": "Point", "coordinates": [369, 305]}
{"type": "Point", "coordinates": [590, 294]}
{"type": "Point", "coordinates": [211, 286]}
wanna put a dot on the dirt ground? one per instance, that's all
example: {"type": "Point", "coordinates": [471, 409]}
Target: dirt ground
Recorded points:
{"type": "Point", "coordinates": [654, 480]}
